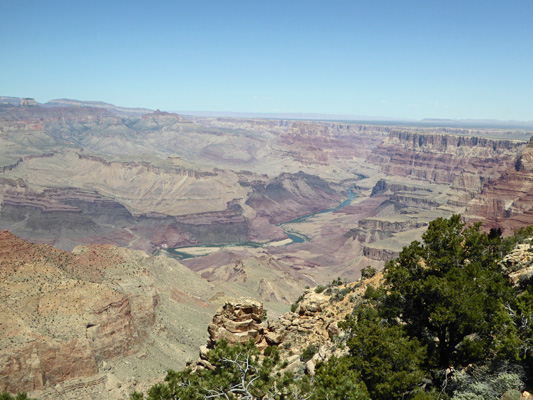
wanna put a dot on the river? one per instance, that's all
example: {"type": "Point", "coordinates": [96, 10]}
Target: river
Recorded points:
{"type": "Point", "coordinates": [299, 238]}
{"type": "Point", "coordinates": [181, 253]}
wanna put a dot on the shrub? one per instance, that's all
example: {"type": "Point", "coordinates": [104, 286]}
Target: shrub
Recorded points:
{"type": "Point", "coordinates": [320, 288]}
{"type": "Point", "coordinates": [20, 396]}
{"type": "Point", "coordinates": [308, 353]}
{"type": "Point", "coordinates": [481, 383]}
{"type": "Point", "coordinates": [336, 282]}
{"type": "Point", "coordinates": [368, 272]}
{"type": "Point", "coordinates": [294, 306]}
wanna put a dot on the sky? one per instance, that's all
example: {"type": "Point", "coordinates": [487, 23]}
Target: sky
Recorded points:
{"type": "Point", "coordinates": [460, 59]}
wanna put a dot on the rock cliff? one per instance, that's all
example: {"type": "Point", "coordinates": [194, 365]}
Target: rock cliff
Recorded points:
{"type": "Point", "coordinates": [444, 159]}
{"type": "Point", "coordinates": [371, 230]}
{"type": "Point", "coordinates": [27, 102]}
{"type": "Point", "coordinates": [507, 201]}
{"type": "Point", "coordinates": [62, 316]}
{"type": "Point", "coordinates": [323, 143]}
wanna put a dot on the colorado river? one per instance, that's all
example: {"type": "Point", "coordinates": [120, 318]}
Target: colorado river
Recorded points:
{"type": "Point", "coordinates": [299, 238]}
{"type": "Point", "coordinates": [295, 237]}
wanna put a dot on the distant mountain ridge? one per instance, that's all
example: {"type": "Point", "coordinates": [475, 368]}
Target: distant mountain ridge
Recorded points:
{"type": "Point", "coordinates": [139, 111]}
{"type": "Point", "coordinates": [292, 116]}
{"type": "Point", "coordinates": [122, 111]}
{"type": "Point", "coordinates": [117, 110]}
{"type": "Point", "coordinates": [480, 123]}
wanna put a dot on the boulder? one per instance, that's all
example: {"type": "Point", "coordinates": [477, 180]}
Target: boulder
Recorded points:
{"type": "Point", "coordinates": [273, 338]}
{"type": "Point", "coordinates": [310, 367]}
{"type": "Point", "coordinates": [333, 330]}
{"type": "Point", "coordinates": [312, 304]}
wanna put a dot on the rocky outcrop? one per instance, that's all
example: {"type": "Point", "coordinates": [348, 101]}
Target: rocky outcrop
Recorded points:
{"type": "Point", "coordinates": [371, 229]}
{"type": "Point", "coordinates": [519, 262]}
{"type": "Point", "coordinates": [313, 323]}
{"type": "Point", "coordinates": [384, 187]}
{"type": "Point", "coordinates": [240, 320]}
{"type": "Point", "coordinates": [28, 102]}
{"type": "Point", "coordinates": [380, 254]}
{"type": "Point", "coordinates": [390, 226]}
{"type": "Point", "coordinates": [312, 326]}
{"type": "Point", "coordinates": [419, 202]}
{"type": "Point", "coordinates": [237, 321]}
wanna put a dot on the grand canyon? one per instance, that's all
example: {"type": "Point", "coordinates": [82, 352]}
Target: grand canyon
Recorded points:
{"type": "Point", "coordinates": [123, 230]}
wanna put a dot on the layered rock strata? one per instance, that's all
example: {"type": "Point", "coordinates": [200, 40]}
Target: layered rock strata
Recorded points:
{"type": "Point", "coordinates": [507, 201]}
{"type": "Point", "coordinates": [62, 317]}
{"type": "Point", "coordinates": [237, 321]}
{"type": "Point", "coordinates": [519, 263]}
{"type": "Point", "coordinates": [444, 158]}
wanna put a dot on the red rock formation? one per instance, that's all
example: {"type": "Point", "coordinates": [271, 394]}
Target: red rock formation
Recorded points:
{"type": "Point", "coordinates": [43, 363]}
{"type": "Point", "coordinates": [445, 158]}
{"type": "Point", "coordinates": [292, 195]}
{"type": "Point", "coordinates": [507, 201]}
{"type": "Point", "coordinates": [319, 143]}
{"type": "Point", "coordinates": [61, 314]}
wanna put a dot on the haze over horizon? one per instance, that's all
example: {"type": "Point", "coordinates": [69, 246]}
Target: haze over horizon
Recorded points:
{"type": "Point", "coordinates": [411, 60]}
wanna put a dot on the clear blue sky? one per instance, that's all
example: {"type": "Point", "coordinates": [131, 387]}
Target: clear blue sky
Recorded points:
{"type": "Point", "coordinates": [410, 59]}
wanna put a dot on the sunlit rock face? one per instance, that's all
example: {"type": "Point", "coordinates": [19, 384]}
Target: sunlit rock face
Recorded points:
{"type": "Point", "coordinates": [444, 159]}
{"type": "Point", "coordinates": [62, 316]}
{"type": "Point", "coordinates": [507, 201]}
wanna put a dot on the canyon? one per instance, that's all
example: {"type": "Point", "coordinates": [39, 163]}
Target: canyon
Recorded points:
{"type": "Point", "coordinates": [124, 230]}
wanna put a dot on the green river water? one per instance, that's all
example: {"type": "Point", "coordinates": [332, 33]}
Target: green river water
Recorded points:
{"type": "Point", "coordinates": [180, 253]}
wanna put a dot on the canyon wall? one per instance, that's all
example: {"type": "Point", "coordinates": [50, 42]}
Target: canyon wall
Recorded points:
{"type": "Point", "coordinates": [465, 162]}
{"type": "Point", "coordinates": [228, 180]}
{"type": "Point", "coordinates": [62, 316]}
{"type": "Point", "coordinates": [507, 201]}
